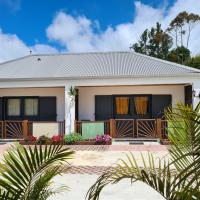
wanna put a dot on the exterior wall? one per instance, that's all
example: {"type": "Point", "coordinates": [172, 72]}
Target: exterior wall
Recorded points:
{"type": "Point", "coordinates": [87, 95]}
{"type": "Point", "coordinates": [58, 92]}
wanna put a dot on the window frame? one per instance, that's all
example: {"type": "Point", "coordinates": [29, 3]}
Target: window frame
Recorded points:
{"type": "Point", "coordinates": [132, 112]}
{"type": "Point", "coordinates": [13, 117]}
{"type": "Point", "coordinates": [22, 115]}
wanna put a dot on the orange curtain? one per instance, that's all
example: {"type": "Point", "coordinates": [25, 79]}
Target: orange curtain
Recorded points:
{"type": "Point", "coordinates": [122, 105]}
{"type": "Point", "coordinates": [141, 105]}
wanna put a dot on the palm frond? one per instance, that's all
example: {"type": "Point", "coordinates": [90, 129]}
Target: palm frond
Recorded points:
{"type": "Point", "coordinates": [25, 170]}
{"type": "Point", "coordinates": [175, 179]}
{"type": "Point", "coordinates": [159, 178]}
{"type": "Point", "coordinates": [184, 133]}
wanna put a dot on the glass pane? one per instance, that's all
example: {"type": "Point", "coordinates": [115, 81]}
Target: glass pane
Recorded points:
{"type": "Point", "coordinates": [13, 107]}
{"type": "Point", "coordinates": [122, 105]}
{"type": "Point", "coordinates": [31, 107]}
{"type": "Point", "coordinates": [141, 105]}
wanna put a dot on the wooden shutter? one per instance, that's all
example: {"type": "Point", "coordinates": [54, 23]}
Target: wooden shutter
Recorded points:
{"type": "Point", "coordinates": [103, 107]}
{"type": "Point", "coordinates": [159, 104]}
{"type": "Point", "coordinates": [47, 108]}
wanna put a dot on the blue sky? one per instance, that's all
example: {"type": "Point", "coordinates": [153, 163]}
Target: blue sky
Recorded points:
{"type": "Point", "coordinates": [80, 25]}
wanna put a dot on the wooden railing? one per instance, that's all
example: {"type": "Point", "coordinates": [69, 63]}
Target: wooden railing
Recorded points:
{"type": "Point", "coordinates": [136, 128]}
{"type": "Point", "coordinates": [22, 129]}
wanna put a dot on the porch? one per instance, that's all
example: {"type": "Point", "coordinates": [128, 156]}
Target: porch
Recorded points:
{"type": "Point", "coordinates": [129, 128]}
{"type": "Point", "coordinates": [135, 111]}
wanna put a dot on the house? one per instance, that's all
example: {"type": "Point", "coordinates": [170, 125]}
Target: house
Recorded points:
{"type": "Point", "coordinates": [126, 91]}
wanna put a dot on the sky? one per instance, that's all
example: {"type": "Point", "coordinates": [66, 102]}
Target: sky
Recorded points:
{"type": "Point", "coordinates": [60, 26]}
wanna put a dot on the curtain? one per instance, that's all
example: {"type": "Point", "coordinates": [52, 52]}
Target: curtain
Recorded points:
{"type": "Point", "coordinates": [122, 105]}
{"type": "Point", "coordinates": [141, 105]}
{"type": "Point", "coordinates": [13, 107]}
{"type": "Point", "coordinates": [31, 107]}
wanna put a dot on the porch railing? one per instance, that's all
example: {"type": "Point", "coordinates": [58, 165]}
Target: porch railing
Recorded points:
{"type": "Point", "coordinates": [22, 129]}
{"type": "Point", "coordinates": [136, 128]}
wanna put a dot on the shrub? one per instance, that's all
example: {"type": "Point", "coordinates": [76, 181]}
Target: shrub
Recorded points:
{"type": "Point", "coordinates": [72, 138]}
{"type": "Point", "coordinates": [43, 139]}
{"type": "Point", "coordinates": [103, 139]}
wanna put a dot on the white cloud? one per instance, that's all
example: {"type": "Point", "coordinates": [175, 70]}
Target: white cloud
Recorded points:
{"type": "Point", "coordinates": [82, 34]}
{"type": "Point", "coordinates": [79, 33]}
{"type": "Point", "coordinates": [12, 47]}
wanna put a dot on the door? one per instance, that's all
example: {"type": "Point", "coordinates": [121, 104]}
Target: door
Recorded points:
{"type": "Point", "coordinates": [103, 107]}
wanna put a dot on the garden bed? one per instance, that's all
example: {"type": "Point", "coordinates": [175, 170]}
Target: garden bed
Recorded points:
{"type": "Point", "coordinates": [84, 142]}
{"type": "Point", "coordinates": [71, 139]}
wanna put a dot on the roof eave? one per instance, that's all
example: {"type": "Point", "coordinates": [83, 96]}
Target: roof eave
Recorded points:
{"type": "Point", "coordinates": [98, 77]}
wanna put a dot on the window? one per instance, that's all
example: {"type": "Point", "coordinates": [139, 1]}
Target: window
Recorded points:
{"type": "Point", "coordinates": [13, 107]}
{"type": "Point", "coordinates": [141, 105]}
{"type": "Point", "coordinates": [31, 107]}
{"type": "Point", "coordinates": [122, 105]}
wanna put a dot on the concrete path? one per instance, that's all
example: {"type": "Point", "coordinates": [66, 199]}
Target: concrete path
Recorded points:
{"type": "Point", "coordinates": [79, 185]}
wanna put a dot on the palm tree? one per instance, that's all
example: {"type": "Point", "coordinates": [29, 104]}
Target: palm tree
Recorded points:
{"type": "Point", "coordinates": [27, 173]}
{"type": "Point", "coordinates": [177, 178]}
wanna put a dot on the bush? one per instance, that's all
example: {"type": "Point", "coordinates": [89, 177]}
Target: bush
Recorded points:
{"type": "Point", "coordinates": [43, 139]}
{"type": "Point", "coordinates": [72, 138]}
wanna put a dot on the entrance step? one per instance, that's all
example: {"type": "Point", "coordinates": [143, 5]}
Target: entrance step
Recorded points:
{"type": "Point", "coordinates": [135, 141]}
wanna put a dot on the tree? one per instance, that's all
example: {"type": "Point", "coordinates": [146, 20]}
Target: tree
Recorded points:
{"type": "Point", "coordinates": [194, 62]}
{"type": "Point", "coordinates": [181, 26]}
{"type": "Point", "coordinates": [175, 179]}
{"type": "Point", "coordinates": [179, 55]}
{"type": "Point", "coordinates": [27, 173]}
{"type": "Point", "coordinates": [154, 42]}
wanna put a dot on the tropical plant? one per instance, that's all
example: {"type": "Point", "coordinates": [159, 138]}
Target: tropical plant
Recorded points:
{"type": "Point", "coordinates": [177, 178]}
{"type": "Point", "coordinates": [27, 173]}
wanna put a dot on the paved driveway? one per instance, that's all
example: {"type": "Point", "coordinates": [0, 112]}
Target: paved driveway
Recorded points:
{"type": "Point", "coordinates": [91, 161]}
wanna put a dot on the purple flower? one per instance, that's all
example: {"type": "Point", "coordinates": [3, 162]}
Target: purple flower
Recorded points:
{"type": "Point", "coordinates": [103, 139]}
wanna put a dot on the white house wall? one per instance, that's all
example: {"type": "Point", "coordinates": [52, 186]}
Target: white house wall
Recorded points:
{"type": "Point", "coordinates": [87, 95]}
{"type": "Point", "coordinates": [58, 92]}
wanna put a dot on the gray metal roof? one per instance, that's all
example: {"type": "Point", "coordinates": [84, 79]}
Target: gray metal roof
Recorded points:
{"type": "Point", "coordinates": [90, 65]}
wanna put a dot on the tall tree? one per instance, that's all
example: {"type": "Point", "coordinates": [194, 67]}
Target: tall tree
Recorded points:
{"type": "Point", "coordinates": [181, 26]}
{"type": "Point", "coordinates": [154, 42]}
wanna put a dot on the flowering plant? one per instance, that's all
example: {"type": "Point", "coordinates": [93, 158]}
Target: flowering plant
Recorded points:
{"type": "Point", "coordinates": [31, 138]}
{"type": "Point", "coordinates": [57, 138]}
{"type": "Point", "coordinates": [103, 139]}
